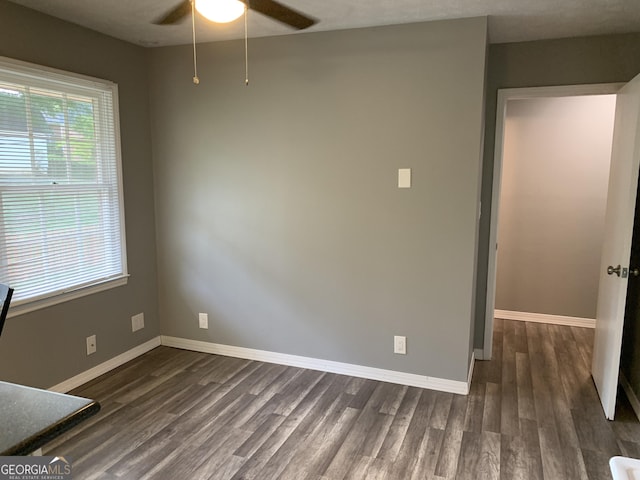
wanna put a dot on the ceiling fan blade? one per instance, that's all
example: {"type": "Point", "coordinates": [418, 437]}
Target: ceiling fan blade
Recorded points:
{"type": "Point", "coordinates": [175, 15]}
{"type": "Point", "coordinates": [281, 13]}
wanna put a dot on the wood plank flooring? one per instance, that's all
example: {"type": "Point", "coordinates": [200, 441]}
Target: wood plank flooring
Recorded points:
{"type": "Point", "coordinates": [532, 413]}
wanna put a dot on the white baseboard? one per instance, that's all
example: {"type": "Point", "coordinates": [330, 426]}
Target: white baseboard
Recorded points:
{"type": "Point", "coordinates": [479, 354]}
{"type": "Point", "coordinates": [631, 395]}
{"type": "Point", "coordinates": [95, 372]}
{"type": "Point", "coordinates": [371, 373]}
{"type": "Point", "coordinates": [545, 318]}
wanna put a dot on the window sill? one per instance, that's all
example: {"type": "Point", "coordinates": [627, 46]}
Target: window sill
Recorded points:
{"type": "Point", "coordinates": [27, 307]}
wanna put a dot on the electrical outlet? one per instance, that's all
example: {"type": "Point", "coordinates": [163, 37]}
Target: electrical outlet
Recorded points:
{"type": "Point", "coordinates": [400, 345]}
{"type": "Point", "coordinates": [137, 322]}
{"type": "Point", "coordinates": [203, 320]}
{"type": "Point", "coordinates": [91, 345]}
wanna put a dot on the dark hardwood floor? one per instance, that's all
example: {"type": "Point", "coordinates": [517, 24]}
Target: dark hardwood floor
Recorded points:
{"type": "Point", "coordinates": [532, 413]}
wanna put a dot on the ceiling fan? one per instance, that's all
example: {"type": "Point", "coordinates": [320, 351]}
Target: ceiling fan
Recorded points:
{"type": "Point", "coordinates": [269, 8]}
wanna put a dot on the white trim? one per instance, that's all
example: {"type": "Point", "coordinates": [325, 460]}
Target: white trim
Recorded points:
{"type": "Point", "coordinates": [561, 91]}
{"type": "Point", "coordinates": [56, 74]}
{"type": "Point", "coordinates": [106, 107]}
{"type": "Point", "coordinates": [371, 373]}
{"type": "Point", "coordinates": [472, 364]}
{"type": "Point", "coordinates": [479, 354]}
{"type": "Point", "coordinates": [105, 367]}
{"type": "Point", "coordinates": [631, 395]}
{"type": "Point", "coordinates": [115, 108]}
{"type": "Point", "coordinates": [501, 111]}
{"type": "Point", "coordinates": [546, 318]}
{"type": "Point", "coordinates": [504, 95]}
{"type": "Point", "coordinates": [33, 305]}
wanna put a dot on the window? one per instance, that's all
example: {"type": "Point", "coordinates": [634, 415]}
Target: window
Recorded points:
{"type": "Point", "coordinates": [61, 211]}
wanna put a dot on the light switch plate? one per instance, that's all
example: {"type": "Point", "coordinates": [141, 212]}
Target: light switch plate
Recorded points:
{"type": "Point", "coordinates": [203, 320]}
{"type": "Point", "coordinates": [400, 344]}
{"type": "Point", "coordinates": [404, 178]}
{"type": "Point", "coordinates": [137, 322]}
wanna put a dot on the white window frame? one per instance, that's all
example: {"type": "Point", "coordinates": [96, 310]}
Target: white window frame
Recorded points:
{"type": "Point", "coordinates": [28, 69]}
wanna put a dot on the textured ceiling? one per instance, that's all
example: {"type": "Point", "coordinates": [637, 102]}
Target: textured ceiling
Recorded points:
{"type": "Point", "coordinates": [509, 20]}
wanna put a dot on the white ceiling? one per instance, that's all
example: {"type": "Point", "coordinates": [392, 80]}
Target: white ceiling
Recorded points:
{"type": "Point", "coordinates": [509, 20]}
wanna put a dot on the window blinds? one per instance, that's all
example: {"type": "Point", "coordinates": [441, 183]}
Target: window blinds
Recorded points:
{"type": "Point", "coordinates": [61, 226]}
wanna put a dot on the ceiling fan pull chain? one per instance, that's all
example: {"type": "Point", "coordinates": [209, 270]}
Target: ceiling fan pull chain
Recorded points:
{"type": "Point", "coordinates": [246, 47]}
{"type": "Point", "coordinates": [196, 80]}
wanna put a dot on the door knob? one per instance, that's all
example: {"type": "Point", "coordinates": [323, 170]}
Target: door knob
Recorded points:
{"type": "Point", "coordinates": [611, 270]}
{"type": "Point", "coordinates": [635, 272]}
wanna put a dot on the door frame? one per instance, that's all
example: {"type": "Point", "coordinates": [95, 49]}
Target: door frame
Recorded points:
{"type": "Point", "coordinates": [504, 95]}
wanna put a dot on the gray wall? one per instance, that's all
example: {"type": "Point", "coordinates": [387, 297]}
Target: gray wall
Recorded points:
{"type": "Point", "coordinates": [278, 211]}
{"type": "Point", "coordinates": [555, 172]}
{"type": "Point", "coordinates": [46, 347]}
{"type": "Point", "coordinates": [604, 59]}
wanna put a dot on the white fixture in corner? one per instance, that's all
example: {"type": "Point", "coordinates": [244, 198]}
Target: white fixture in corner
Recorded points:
{"type": "Point", "coordinates": [624, 468]}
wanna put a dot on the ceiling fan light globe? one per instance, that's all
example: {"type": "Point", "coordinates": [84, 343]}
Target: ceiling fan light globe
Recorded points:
{"type": "Point", "coordinates": [220, 11]}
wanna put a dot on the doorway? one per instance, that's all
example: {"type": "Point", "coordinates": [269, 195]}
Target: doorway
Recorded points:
{"type": "Point", "coordinates": [505, 97]}
{"type": "Point", "coordinates": [555, 174]}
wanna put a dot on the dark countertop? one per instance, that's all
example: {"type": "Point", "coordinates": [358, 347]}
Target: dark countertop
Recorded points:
{"type": "Point", "coordinates": [31, 417]}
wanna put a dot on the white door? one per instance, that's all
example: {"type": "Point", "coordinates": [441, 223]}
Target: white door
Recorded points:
{"type": "Point", "coordinates": [616, 250]}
